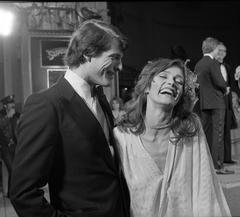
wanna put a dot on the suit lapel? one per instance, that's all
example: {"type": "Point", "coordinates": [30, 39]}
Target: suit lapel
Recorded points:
{"type": "Point", "coordinates": [109, 117]}
{"type": "Point", "coordinates": [75, 106]}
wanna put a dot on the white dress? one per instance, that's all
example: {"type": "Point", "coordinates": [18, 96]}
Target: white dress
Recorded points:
{"type": "Point", "coordinates": [188, 186]}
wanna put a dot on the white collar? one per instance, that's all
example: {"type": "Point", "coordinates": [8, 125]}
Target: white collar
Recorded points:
{"type": "Point", "coordinates": [79, 85]}
{"type": "Point", "coordinates": [208, 54]}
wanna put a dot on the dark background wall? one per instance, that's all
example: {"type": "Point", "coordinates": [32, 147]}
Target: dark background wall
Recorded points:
{"type": "Point", "coordinates": [1, 71]}
{"type": "Point", "coordinates": [153, 27]}
{"type": "Point", "coordinates": [10, 67]}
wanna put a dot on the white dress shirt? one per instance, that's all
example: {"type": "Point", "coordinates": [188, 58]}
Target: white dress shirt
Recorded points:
{"type": "Point", "coordinates": [83, 89]}
{"type": "Point", "coordinates": [224, 72]}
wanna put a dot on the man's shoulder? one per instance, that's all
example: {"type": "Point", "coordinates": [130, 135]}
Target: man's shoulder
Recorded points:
{"type": "Point", "coordinates": [45, 93]}
{"type": "Point", "coordinates": [52, 93]}
{"type": "Point", "coordinates": [200, 60]}
{"type": "Point", "coordinates": [205, 61]}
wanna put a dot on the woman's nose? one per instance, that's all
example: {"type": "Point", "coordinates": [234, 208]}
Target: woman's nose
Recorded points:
{"type": "Point", "coordinates": [170, 80]}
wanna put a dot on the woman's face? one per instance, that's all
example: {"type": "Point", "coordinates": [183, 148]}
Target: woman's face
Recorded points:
{"type": "Point", "coordinates": [10, 109]}
{"type": "Point", "coordinates": [167, 87]}
{"type": "Point", "coordinates": [115, 104]}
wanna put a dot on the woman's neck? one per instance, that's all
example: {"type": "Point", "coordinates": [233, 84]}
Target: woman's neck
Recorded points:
{"type": "Point", "coordinates": [157, 121]}
{"type": "Point", "coordinates": [157, 117]}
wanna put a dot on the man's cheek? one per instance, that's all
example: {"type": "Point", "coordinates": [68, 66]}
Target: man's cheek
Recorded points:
{"type": "Point", "coordinates": [107, 63]}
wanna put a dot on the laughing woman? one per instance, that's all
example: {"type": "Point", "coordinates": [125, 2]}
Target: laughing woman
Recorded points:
{"type": "Point", "coordinates": [163, 149]}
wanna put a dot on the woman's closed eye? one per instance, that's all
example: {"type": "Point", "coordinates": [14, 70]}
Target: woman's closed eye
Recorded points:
{"type": "Point", "coordinates": [162, 75]}
{"type": "Point", "coordinates": [179, 81]}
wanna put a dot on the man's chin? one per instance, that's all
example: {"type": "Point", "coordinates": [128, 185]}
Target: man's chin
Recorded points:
{"type": "Point", "coordinates": [108, 81]}
{"type": "Point", "coordinates": [105, 84]}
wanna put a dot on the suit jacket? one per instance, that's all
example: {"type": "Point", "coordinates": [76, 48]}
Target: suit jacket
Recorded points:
{"type": "Point", "coordinates": [232, 82]}
{"type": "Point", "coordinates": [67, 149]}
{"type": "Point", "coordinates": [211, 84]}
{"type": "Point", "coordinates": [228, 98]}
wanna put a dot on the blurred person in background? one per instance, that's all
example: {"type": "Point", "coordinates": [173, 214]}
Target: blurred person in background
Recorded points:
{"type": "Point", "coordinates": [8, 139]}
{"type": "Point", "coordinates": [237, 78]}
{"type": "Point", "coordinates": [235, 133]}
{"type": "Point", "coordinates": [230, 119]}
{"type": "Point", "coordinates": [116, 104]}
{"type": "Point", "coordinates": [8, 124]}
{"type": "Point", "coordinates": [130, 100]}
{"type": "Point", "coordinates": [212, 89]}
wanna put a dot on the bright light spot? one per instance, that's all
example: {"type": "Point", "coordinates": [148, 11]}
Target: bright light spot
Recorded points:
{"type": "Point", "coordinates": [125, 88]}
{"type": "Point", "coordinates": [6, 22]}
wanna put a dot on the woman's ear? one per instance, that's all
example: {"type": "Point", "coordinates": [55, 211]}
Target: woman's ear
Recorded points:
{"type": "Point", "coordinates": [146, 91]}
{"type": "Point", "coordinates": [87, 58]}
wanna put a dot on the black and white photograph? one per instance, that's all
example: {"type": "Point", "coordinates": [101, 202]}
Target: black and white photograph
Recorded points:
{"type": "Point", "coordinates": [54, 75]}
{"type": "Point", "coordinates": [120, 109]}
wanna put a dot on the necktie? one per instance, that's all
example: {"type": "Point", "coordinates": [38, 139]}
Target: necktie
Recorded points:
{"type": "Point", "coordinates": [94, 91]}
{"type": "Point", "coordinates": [101, 116]}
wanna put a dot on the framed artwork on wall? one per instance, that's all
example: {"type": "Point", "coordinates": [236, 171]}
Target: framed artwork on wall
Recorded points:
{"type": "Point", "coordinates": [52, 51]}
{"type": "Point", "coordinates": [53, 75]}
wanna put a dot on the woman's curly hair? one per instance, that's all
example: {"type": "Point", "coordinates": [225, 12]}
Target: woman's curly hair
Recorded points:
{"type": "Point", "coordinates": [185, 123]}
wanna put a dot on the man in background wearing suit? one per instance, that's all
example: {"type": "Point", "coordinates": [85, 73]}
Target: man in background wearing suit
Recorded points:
{"type": "Point", "coordinates": [230, 120]}
{"type": "Point", "coordinates": [65, 136]}
{"type": "Point", "coordinates": [212, 105]}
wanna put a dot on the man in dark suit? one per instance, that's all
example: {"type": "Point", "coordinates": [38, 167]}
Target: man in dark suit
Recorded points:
{"type": "Point", "coordinates": [230, 120]}
{"type": "Point", "coordinates": [65, 136]}
{"type": "Point", "coordinates": [212, 105]}
{"type": "Point", "coordinates": [8, 122]}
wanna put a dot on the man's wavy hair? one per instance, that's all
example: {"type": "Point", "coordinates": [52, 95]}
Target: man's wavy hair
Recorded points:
{"type": "Point", "coordinates": [184, 121]}
{"type": "Point", "coordinates": [91, 39]}
{"type": "Point", "coordinates": [209, 44]}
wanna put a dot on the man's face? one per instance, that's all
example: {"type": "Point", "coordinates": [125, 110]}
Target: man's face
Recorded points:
{"type": "Point", "coordinates": [215, 52]}
{"type": "Point", "coordinates": [101, 69]}
{"type": "Point", "coordinates": [221, 54]}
